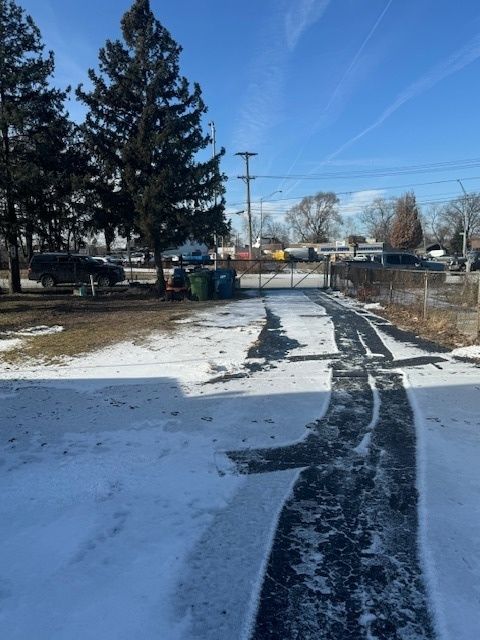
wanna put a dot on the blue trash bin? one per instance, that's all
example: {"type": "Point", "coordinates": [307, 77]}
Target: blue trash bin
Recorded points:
{"type": "Point", "coordinates": [224, 283]}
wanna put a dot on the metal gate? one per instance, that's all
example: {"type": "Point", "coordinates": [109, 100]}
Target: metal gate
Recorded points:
{"type": "Point", "coordinates": [273, 274]}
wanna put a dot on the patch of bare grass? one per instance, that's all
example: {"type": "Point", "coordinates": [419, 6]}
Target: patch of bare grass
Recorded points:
{"type": "Point", "coordinates": [437, 327]}
{"type": "Point", "coordinates": [89, 323]}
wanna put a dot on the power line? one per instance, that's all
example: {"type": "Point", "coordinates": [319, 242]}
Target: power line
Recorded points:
{"type": "Point", "coordinates": [390, 188]}
{"type": "Point", "coordinates": [452, 195]}
{"type": "Point", "coordinates": [381, 172]}
{"type": "Point", "coordinates": [355, 207]}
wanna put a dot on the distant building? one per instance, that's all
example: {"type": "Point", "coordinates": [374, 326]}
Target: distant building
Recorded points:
{"type": "Point", "coordinates": [343, 247]}
{"type": "Point", "coordinates": [475, 242]}
{"type": "Point", "coordinates": [266, 241]}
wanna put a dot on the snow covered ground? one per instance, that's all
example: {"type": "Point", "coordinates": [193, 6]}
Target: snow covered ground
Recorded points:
{"type": "Point", "coordinates": [446, 401]}
{"type": "Point", "coordinates": [121, 515]}
{"type": "Point", "coordinates": [447, 405]}
{"type": "Point", "coordinates": [113, 468]}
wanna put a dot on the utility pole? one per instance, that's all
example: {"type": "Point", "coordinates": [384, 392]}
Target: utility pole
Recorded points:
{"type": "Point", "coordinates": [214, 153]}
{"type": "Point", "coordinates": [465, 221]}
{"type": "Point", "coordinates": [214, 139]}
{"type": "Point", "coordinates": [246, 178]}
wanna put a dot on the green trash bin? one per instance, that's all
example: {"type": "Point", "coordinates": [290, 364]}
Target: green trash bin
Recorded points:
{"type": "Point", "coordinates": [199, 285]}
{"type": "Point", "coordinates": [224, 283]}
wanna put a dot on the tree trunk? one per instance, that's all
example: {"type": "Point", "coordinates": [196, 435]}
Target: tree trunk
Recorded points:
{"type": "Point", "coordinates": [12, 243]}
{"type": "Point", "coordinates": [109, 238]}
{"type": "Point", "coordinates": [14, 265]}
{"type": "Point", "coordinates": [29, 240]}
{"type": "Point", "coordinates": [11, 217]}
{"type": "Point", "coordinates": [160, 283]}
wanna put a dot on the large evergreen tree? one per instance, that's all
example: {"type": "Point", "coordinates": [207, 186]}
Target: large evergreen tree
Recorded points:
{"type": "Point", "coordinates": [52, 187]}
{"type": "Point", "coordinates": [406, 230]}
{"type": "Point", "coordinates": [26, 105]}
{"type": "Point", "coordinates": [144, 130]}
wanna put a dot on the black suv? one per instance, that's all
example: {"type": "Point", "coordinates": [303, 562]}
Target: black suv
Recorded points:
{"type": "Point", "coordinates": [68, 268]}
{"type": "Point", "coordinates": [403, 260]}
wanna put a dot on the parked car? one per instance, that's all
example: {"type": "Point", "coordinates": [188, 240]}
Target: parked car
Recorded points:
{"type": "Point", "coordinates": [194, 258]}
{"type": "Point", "coordinates": [360, 258]}
{"type": "Point", "coordinates": [137, 258]}
{"type": "Point", "coordinates": [399, 260]}
{"type": "Point", "coordinates": [457, 263]}
{"type": "Point", "coordinates": [171, 254]}
{"type": "Point", "coordinates": [66, 268]}
{"type": "Point", "coordinates": [432, 265]}
{"type": "Point", "coordinates": [109, 260]}
{"type": "Point", "coordinates": [470, 262]}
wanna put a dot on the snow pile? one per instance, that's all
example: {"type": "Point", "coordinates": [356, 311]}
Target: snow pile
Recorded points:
{"type": "Point", "coordinates": [7, 344]}
{"type": "Point", "coordinates": [41, 330]}
{"type": "Point", "coordinates": [472, 352]}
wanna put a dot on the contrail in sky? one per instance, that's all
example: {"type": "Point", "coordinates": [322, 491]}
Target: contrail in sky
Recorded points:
{"type": "Point", "coordinates": [456, 62]}
{"type": "Point", "coordinates": [357, 55]}
{"type": "Point", "coordinates": [342, 80]}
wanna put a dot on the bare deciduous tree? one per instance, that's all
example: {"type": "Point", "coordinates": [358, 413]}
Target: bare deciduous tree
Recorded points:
{"type": "Point", "coordinates": [377, 218]}
{"type": "Point", "coordinates": [436, 227]}
{"type": "Point", "coordinates": [275, 229]}
{"type": "Point", "coordinates": [255, 227]}
{"type": "Point", "coordinates": [271, 228]}
{"type": "Point", "coordinates": [463, 213]}
{"type": "Point", "coordinates": [315, 218]}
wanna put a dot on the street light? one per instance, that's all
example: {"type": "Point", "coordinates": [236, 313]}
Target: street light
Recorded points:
{"type": "Point", "coordinates": [261, 215]}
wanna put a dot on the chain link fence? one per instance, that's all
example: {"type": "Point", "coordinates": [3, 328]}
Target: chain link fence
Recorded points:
{"type": "Point", "coordinates": [435, 296]}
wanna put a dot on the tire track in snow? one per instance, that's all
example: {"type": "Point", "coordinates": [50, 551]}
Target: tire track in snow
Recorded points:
{"type": "Point", "coordinates": [344, 563]}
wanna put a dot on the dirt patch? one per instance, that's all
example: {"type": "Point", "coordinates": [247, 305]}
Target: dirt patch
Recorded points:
{"type": "Point", "coordinates": [437, 327]}
{"type": "Point", "coordinates": [88, 323]}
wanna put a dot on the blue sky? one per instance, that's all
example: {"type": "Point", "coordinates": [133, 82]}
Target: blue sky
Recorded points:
{"type": "Point", "coordinates": [329, 93]}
